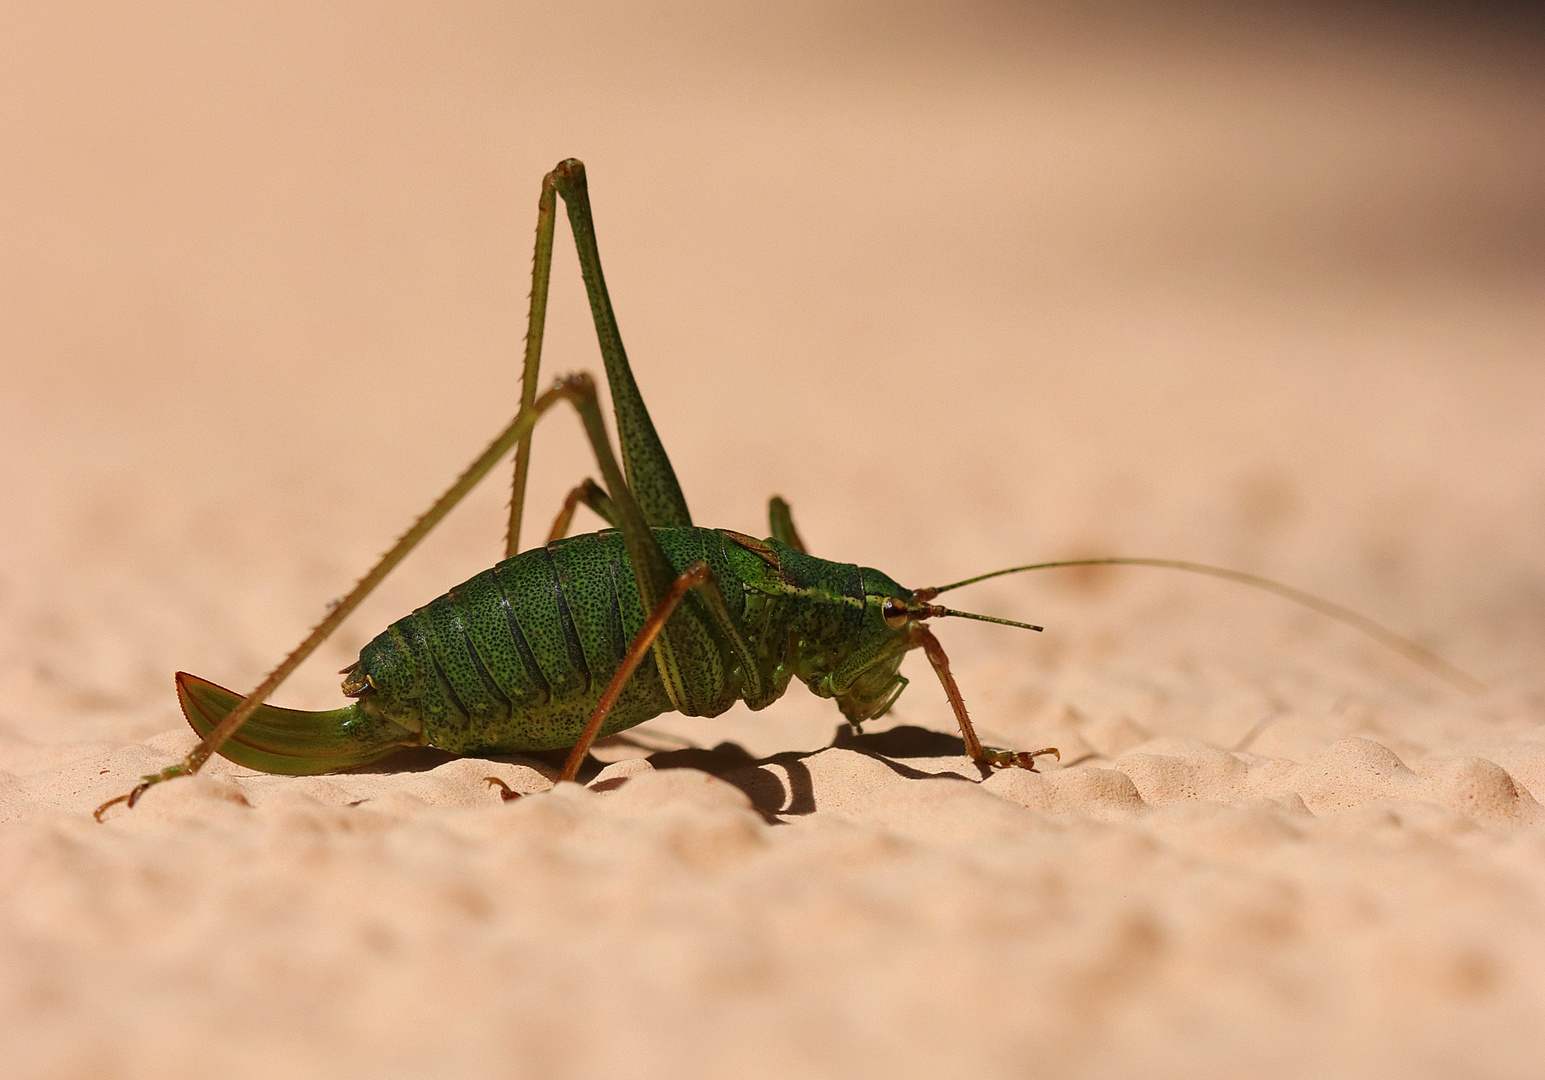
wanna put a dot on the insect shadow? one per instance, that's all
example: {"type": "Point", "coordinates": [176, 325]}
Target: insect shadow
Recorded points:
{"type": "Point", "coordinates": [781, 786]}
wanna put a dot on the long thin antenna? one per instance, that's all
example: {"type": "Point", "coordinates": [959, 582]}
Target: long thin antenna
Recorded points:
{"type": "Point", "coordinates": [1434, 663]}
{"type": "Point", "coordinates": [990, 618]}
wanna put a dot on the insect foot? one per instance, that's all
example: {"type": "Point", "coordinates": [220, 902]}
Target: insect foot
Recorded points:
{"type": "Point", "coordinates": [1016, 759]}
{"type": "Point", "coordinates": [171, 772]}
{"type": "Point", "coordinates": [507, 793]}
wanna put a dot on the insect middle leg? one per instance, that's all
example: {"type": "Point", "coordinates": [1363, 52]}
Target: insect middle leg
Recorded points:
{"type": "Point", "coordinates": [592, 495]}
{"type": "Point", "coordinates": [695, 576]}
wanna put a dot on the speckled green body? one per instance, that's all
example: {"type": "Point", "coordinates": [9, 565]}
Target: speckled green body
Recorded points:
{"type": "Point", "coordinates": [517, 657]}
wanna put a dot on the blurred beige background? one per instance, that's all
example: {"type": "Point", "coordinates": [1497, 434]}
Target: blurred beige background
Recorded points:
{"type": "Point", "coordinates": [1221, 285]}
{"type": "Point", "coordinates": [970, 283]}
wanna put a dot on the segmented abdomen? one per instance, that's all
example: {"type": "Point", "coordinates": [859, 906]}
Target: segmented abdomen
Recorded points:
{"type": "Point", "coordinates": [517, 657]}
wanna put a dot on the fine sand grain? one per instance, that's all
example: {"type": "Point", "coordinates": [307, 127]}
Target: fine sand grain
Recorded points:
{"type": "Point", "coordinates": [968, 289]}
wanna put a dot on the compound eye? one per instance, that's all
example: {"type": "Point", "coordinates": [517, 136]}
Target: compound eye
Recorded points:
{"type": "Point", "coordinates": [895, 613]}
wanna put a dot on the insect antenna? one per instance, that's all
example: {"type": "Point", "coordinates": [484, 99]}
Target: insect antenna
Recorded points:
{"type": "Point", "coordinates": [1427, 659]}
{"type": "Point", "coordinates": [990, 618]}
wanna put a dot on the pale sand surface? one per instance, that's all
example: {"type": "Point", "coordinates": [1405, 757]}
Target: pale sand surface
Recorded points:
{"type": "Point", "coordinates": [970, 291]}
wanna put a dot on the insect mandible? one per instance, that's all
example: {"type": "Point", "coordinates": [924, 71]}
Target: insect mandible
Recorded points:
{"type": "Point", "coordinates": [592, 634]}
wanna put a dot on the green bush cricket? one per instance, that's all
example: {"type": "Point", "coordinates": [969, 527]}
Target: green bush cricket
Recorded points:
{"type": "Point", "coordinates": [592, 634]}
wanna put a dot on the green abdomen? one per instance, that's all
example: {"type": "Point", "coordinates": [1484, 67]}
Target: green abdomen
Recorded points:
{"type": "Point", "coordinates": [517, 657]}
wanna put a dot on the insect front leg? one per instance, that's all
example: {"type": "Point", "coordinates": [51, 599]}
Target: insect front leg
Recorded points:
{"type": "Point", "coordinates": [985, 756]}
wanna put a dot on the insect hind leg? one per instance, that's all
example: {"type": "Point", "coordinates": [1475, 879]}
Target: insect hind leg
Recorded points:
{"type": "Point", "coordinates": [648, 469]}
{"type": "Point", "coordinates": [592, 495]}
{"type": "Point", "coordinates": [649, 562]}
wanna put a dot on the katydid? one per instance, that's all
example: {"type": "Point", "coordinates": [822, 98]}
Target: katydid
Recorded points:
{"type": "Point", "coordinates": [592, 634]}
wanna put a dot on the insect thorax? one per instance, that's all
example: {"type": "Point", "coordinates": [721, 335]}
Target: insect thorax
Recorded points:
{"type": "Point", "coordinates": [840, 645]}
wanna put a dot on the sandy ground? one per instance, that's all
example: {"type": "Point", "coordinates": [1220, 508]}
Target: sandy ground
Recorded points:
{"type": "Point", "coordinates": [970, 289]}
